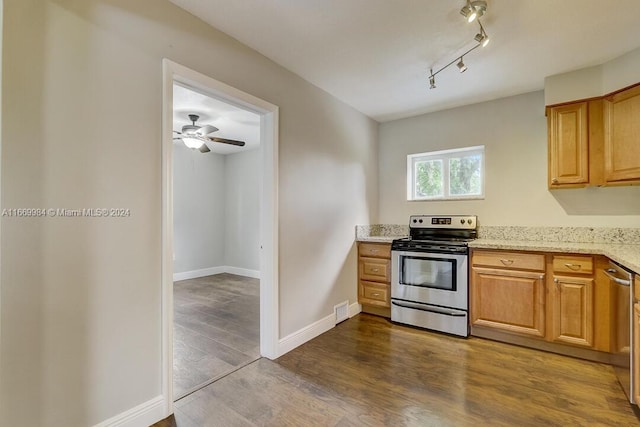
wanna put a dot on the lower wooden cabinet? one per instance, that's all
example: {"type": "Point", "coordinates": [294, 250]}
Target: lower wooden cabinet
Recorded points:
{"type": "Point", "coordinates": [374, 278]}
{"type": "Point", "coordinates": [509, 300]}
{"type": "Point", "coordinates": [572, 306]}
{"type": "Point", "coordinates": [552, 298]}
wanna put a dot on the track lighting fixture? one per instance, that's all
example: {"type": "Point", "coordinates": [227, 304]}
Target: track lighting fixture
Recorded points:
{"type": "Point", "coordinates": [482, 36]}
{"type": "Point", "coordinates": [472, 10]}
{"type": "Point", "coordinates": [461, 66]}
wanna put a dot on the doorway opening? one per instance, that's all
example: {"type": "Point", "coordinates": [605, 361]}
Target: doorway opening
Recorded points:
{"type": "Point", "coordinates": [216, 239]}
{"type": "Point", "coordinates": [266, 114]}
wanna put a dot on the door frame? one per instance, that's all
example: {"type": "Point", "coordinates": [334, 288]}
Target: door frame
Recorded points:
{"type": "Point", "coordinates": [269, 113]}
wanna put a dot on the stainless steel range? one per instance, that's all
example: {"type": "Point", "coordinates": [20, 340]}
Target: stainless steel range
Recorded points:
{"type": "Point", "coordinates": [429, 273]}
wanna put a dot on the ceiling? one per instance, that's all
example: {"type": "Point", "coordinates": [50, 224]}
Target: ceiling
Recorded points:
{"type": "Point", "coordinates": [375, 55]}
{"type": "Point", "coordinates": [232, 122]}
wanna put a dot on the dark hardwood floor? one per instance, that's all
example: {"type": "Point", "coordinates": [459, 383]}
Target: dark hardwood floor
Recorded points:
{"type": "Point", "coordinates": [216, 329]}
{"type": "Point", "coordinates": [368, 371]}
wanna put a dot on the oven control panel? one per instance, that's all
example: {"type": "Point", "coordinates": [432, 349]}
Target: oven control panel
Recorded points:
{"type": "Point", "coordinates": [463, 222]}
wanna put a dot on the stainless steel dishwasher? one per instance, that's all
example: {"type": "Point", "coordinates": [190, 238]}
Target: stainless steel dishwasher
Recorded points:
{"type": "Point", "coordinates": [622, 327]}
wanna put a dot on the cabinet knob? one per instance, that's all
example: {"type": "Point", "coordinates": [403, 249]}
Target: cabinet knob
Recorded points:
{"type": "Point", "coordinates": [554, 180]}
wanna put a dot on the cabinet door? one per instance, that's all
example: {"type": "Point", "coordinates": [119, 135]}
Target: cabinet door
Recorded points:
{"type": "Point", "coordinates": [635, 368]}
{"type": "Point", "coordinates": [622, 136]}
{"type": "Point", "coordinates": [568, 144]}
{"type": "Point", "coordinates": [572, 300]}
{"type": "Point", "coordinates": [508, 300]}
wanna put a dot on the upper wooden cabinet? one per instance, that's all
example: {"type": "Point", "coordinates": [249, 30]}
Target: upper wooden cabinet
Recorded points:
{"type": "Point", "coordinates": [575, 134]}
{"type": "Point", "coordinates": [622, 137]}
{"type": "Point", "coordinates": [595, 141]}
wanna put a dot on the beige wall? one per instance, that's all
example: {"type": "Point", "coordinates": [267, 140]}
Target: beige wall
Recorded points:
{"type": "Point", "coordinates": [513, 131]}
{"type": "Point", "coordinates": [82, 98]}
{"type": "Point", "coordinates": [594, 81]}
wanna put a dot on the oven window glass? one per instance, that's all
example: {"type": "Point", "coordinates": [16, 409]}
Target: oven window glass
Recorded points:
{"type": "Point", "coordinates": [438, 273]}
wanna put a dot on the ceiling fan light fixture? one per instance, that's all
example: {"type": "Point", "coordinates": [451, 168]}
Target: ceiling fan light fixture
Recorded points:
{"type": "Point", "coordinates": [192, 142]}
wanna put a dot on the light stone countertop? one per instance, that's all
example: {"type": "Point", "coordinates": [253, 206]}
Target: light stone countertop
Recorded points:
{"type": "Point", "coordinates": [378, 239]}
{"type": "Point", "coordinates": [626, 255]}
{"type": "Point", "coordinates": [621, 245]}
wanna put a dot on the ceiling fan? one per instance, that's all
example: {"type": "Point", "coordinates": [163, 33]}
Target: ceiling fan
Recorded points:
{"type": "Point", "coordinates": [195, 136]}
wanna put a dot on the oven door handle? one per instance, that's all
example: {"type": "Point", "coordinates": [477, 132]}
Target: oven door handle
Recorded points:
{"type": "Point", "coordinates": [430, 309]}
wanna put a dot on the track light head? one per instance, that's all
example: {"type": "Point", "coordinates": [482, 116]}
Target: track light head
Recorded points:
{"type": "Point", "coordinates": [468, 12]}
{"type": "Point", "coordinates": [461, 66]}
{"type": "Point", "coordinates": [432, 81]}
{"type": "Point", "coordinates": [482, 36]}
{"type": "Point", "coordinates": [473, 9]}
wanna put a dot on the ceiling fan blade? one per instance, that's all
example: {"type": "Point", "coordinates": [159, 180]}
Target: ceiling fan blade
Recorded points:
{"type": "Point", "coordinates": [228, 141]}
{"type": "Point", "coordinates": [179, 133]}
{"type": "Point", "coordinates": [203, 148]}
{"type": "Point", "coordinates": [206, 130]}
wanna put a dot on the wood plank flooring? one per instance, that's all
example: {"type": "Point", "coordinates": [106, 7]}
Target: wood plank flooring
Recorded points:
{"type": "Point", "coordinates": [216, 328]}
{"type": "Point", "coordinates": [370, 372]}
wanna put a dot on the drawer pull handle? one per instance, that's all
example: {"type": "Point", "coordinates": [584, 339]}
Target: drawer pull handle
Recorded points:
{"type": "Point", "coordinates": [375, 270]}
{"type": "Point", "coordinates": [574, 267]}
{"type": "Point", "coordinates": [506, 261]}
{"type": "Point", "coordinates": [554, 180]}
{"type": "Point", "coordinates": [374, 251]}
{"type": "Point", "coordinates": [376, 294]}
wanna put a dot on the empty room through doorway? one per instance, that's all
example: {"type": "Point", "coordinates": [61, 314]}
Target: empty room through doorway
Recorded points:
{"type": "Point", "coordinates": [216, 238]}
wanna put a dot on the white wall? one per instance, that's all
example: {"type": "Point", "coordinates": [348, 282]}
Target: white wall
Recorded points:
{"type": "Point", "coordinates": [198, 209]}
{"type": "Point", "coordinates": [216, 210]}
{"type": "Point", "coordinates": [82, 101]}
{"type": "Point", "coordinates": [513, 131]}
{"type": "Point", "coordinates": [242, 210]}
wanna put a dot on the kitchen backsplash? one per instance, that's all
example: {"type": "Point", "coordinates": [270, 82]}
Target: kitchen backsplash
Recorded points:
{"type": "Point", "coordinates": [630, 236]}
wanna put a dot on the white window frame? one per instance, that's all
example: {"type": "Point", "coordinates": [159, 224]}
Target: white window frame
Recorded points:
{"type": "Point", "coordinates": [444, 156]}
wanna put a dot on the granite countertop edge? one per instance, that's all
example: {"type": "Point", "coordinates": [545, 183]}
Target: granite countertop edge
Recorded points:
{"type": "Point", "coordinates": [626, 255]}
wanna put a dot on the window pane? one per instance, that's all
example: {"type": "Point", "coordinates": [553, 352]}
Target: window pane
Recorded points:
{"type": "Point", "coordinates": [428, 178]}
{"type": "Point", "coordinates": [464, 175]}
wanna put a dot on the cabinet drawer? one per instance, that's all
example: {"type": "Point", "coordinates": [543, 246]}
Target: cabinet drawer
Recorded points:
{"type": "Point", "coordinates": [375, 250]}
{"type": "Point", "coordinates": [374, 294]}
{"type": "Point", "coordinates": [517, 260]}
{"type": "Point", "coordinates": [375, 269]}
{"type": "Point", "coordinates": [573, 264]}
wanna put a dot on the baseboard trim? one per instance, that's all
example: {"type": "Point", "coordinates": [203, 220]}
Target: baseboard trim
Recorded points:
{"type": "Point", "coordinates": [145, 414]}
{"type": "Point", "coordinates": [354, 309]}
{"type": "Point", "coordinates": [242, 272]}
{"type": "Point", "coordinates": [305, 334]}
{"type": "Point", "coordinates": [194, 274]}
